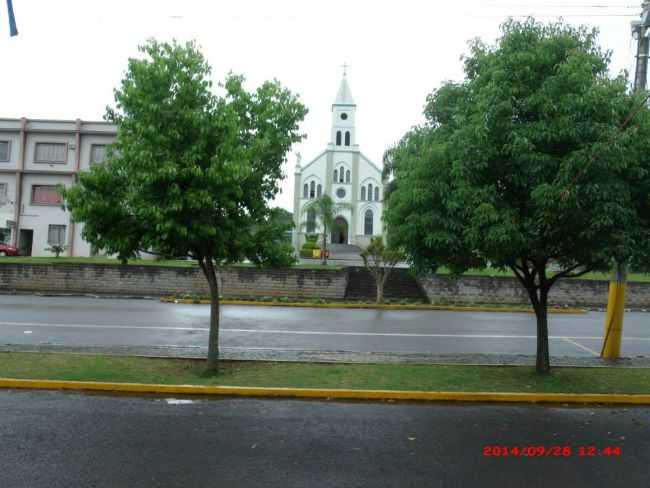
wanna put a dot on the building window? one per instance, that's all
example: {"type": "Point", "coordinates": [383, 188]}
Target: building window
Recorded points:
{"type": "Point", "coordinates": [311, 222]}
{"type": "Point", "coordinates": [312, 189]}
{"type": "Point", "coordinates": [347, 138]}
{"type": "Point", "coordinates": [97, 153]}
{"type": "Point", "coordinates": [341, 174]}
{"type": "Point", "coordinates": [347, 176]}
{"type": "Point", "coordinates": [338, 138]}
{"type": "Point", "coordinates": [376, 194]}
{"type": "Point", "coordinates": [367, 223]}
{"type": "Point", "coordinates": [45, 195]}
{"type": "Point", "coordinates": [305, 191]}
{"type": "Point", "coordinates": [319, 190]}
{"type": "Point", "coordinates": [370, 191]}
{"type": "Point", "coordinates": [56, 235]}
{"type": "Point", "coordinates": [340, 193]}
{"type": "Point", "coordinates": [344, 116]}
{"type": "Point", "coordinates": [363, 193]}
{"type": "Point", "coordinates": [51, 152]}
{"type": "Point", "coordinates": [336, 175]}
{"type": "Point", "coordinates": [5, 235]}
{"type": "Point", "coordinates": [3, 194]}
{"type": "Point", "coordinates": [4, 151]}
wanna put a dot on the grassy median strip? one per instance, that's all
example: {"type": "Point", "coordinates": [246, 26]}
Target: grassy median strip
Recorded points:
{"type": "Point", "coordinates": [86, 367]}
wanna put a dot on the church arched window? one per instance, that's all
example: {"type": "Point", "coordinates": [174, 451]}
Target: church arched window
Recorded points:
{"type": "Point", "coordinates": [347, 137]}
{"type": "Point", "coordinates": [319, 190]}
{"type": "Point", "coordinates": [338, 137]}
{"type": "Point", "coordinates": [367, 223]}
{"type": "Point", "coordinates": [347, 176]}
{"type": "Point", "coordinates": [311, 222]}
{"type": "Point", "coordinates": [370, 191]}
{"type": "Point", "coordinates": [363, 193]}
{"type": "Point", "coordinates": [336, 175]}
{"type": "Point", "coordinates": [312, 189]}
{"type": "Point", "coordinates": [376, 194]}
{"type": "Point", "coordinates": [305, 191]}
{"type": "Point", "coordinates": [341, 174]}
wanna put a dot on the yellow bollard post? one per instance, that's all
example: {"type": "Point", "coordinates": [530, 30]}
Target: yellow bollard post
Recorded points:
{"type": "Point", "coordinates": [614, 319]}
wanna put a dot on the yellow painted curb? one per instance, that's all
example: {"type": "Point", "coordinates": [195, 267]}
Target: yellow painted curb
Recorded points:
{"type": "Point", "coordinates": [433, 396]}
{"type": "Point", "coordinates": [452, 308]}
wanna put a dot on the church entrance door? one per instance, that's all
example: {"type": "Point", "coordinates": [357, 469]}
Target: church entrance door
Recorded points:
{"type": "Point", "coordinates": [340, 231]}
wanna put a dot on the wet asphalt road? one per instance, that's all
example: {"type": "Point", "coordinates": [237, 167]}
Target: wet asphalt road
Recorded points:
{"type": "Point", "coordinates": [81, 321]}
{"type": "Point", "coordinates": [53, 439]}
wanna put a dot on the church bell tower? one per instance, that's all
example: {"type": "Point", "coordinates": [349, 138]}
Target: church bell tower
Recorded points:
{"type": "Point", "coordinates": [344, 109]}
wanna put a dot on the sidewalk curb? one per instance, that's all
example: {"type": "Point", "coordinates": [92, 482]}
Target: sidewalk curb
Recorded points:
{"type": "Point", "coordinates": [451, 308]}
{"type": "Point", "coordinates": [329, 393]}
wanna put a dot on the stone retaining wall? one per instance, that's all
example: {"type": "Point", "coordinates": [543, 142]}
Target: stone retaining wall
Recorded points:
{"type": "Point", "coordinates": [484, 289]}
{"type": "Point", "coordinates": [245, 282]}
{"type": "Point", "coordinates": [236, 282]}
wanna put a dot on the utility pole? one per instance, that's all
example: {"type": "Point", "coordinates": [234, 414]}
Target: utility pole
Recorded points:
{"type": "Point", "coordinates": [616, 302]}
{"type": "Point", "coordinates": [640, 32]}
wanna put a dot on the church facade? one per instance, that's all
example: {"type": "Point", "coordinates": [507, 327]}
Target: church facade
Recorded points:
{"type": "Point", "coordinates": [344, 173]}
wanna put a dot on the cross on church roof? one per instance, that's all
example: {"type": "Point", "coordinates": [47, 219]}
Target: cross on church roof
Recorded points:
{"type": "Point", "coordinates": [345, 67]}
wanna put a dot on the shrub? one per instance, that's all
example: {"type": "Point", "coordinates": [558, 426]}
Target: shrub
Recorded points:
{"type": "Point", "coordinates": [57, 249]}
{"type": "Point", "coordinates": [307, 250]}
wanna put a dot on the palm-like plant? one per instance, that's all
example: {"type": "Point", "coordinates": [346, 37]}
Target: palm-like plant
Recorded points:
{"type": "Point", "coordinates": [325, 211]}
{"type": "Point", "coordinates": [380, 260]}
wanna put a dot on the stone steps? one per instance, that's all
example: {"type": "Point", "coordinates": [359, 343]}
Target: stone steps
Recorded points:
{"type": "Point", "coordinates": [401, 285]}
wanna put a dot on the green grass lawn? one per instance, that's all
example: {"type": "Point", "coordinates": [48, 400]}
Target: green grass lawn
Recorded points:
{"type": "Point", "coordinates": [179, 263]}
{"type": "Point", "coordinates": [635, 277]}
{"type": "Point", "coordinates": [63, 366]}
{"type": "Point", "coordinates": [98, 260]}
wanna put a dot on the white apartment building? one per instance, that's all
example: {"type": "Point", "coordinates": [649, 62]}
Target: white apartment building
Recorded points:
{"type": "Point", "coordinates": [35, 157]}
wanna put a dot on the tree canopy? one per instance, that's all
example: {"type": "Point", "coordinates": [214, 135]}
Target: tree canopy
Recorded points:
{"type": "Point", "coordinates": [538, 156]}
{"type": "Point", "coordinates": [192, 171]}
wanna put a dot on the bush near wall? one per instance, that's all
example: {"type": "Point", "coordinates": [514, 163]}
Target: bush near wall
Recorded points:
{"type": "Point", "coordinates": [308, 248]}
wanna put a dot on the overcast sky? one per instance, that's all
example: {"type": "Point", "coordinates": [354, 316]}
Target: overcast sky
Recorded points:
{"type": "Point", "coordinates": [70, 54]}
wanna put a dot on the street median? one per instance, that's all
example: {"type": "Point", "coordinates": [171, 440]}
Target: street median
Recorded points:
{"type": "Point", "coordinates": [387, 382]}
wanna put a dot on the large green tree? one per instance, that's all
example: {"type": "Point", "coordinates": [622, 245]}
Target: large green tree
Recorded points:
{"type": "Point", "coordinates": [192, 172]}
{"type": "Point", "coordinates": [538, 156]}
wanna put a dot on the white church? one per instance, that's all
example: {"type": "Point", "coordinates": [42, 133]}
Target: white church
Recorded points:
{"type": "Point", "coordinates": [344, 173]}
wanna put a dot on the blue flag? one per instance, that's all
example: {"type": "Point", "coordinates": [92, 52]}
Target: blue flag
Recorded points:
{"type": "Point", "coordinates": [12, 20]}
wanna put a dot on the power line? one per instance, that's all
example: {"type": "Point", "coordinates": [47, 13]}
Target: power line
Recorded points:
{"type": "Point", "coordinates": [566, 6]}
{"type": "Point", "coordinates": [532, 14]}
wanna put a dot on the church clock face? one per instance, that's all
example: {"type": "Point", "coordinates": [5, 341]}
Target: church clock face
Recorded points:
{"type": "Point", "coordinates": [344, 116]}
{"type": "Point", "coordinates": [340, 193]}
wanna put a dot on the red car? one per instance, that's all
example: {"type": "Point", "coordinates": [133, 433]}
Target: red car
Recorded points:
{"type": "Point", "coordinates": [7, 250]}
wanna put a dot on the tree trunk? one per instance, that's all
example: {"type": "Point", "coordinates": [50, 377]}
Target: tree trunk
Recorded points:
{"type": "Point", "coordinates": [380, 287]}
{"type": "Point", "coordinates": [324, 248]}
{"type": "Point", "coordinates": [540, 305]}
{"type": "Point", "coordinates": [213, 338]}
{"type": "Point", "coordinates": [542, 363]}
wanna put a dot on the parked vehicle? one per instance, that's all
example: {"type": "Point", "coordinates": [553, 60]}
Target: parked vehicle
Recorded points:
{"type": "Point", "coordinates": [7, 250]}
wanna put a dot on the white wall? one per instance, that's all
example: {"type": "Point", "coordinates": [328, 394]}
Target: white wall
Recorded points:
{"type": "Point", "coordinates": [14, 150]}
{"type": "Point", "coordinates": [30, 150]}
{"type": "Point", "coordinates": [87, 141]}
{"type": "Point", "coordinates": [7, 210]}
{"type": "Point", "coordinates": [39, 217]}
